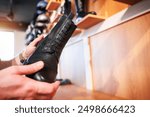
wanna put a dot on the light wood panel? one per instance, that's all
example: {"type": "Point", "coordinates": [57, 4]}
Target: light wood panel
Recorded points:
{"type": "Point", "coordinates": [121, 59]}
{"type": "Point", "coordinates": [106, 8]}
{"type": "Point", "coordinates": [72, 64]}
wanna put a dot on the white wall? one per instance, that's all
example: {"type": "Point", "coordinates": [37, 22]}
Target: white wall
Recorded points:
{"type": "Point", "coordinates": [19, 42]}
{"type": "Point", "coordinates": [6, 45]}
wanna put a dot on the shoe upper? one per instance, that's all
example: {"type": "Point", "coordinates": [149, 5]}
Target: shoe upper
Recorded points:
{"type": "Point", "coordinates": [50, 49]}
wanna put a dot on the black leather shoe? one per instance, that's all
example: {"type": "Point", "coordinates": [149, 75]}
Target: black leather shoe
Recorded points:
{"type": "Point", "coordinates": [50, 48]}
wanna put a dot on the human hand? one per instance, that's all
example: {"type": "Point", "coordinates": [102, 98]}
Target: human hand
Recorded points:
{"type": "Point", "coordinates": [15, 85]}
{"type": "Point", "coordinates": [31, 47]}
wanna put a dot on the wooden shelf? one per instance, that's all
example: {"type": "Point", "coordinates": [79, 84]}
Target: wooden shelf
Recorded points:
{"type": "Point", "coordinates": [50, 25]}
{"type": "Point", "coordinates": [53, 5]}
{"type": "Point", "coordinates": [131, 2]}
{"type": "Point", "coordinates": [77, 31]}
{"type": "Point", "coordinates": [89, 20]}
{"type": "Point", "coordinates": [74, 92]}
{"type": "Point", "coordinates": [57, 17]}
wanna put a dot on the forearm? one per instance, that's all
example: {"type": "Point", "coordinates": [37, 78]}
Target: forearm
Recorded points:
{"type": "Point", "coordinates": [14, 61]}
{"type": "Point", "coordinates": [5, 64]}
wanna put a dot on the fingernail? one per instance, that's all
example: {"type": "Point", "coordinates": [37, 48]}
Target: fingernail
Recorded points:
{"type": "Point", "coordinates": [40, 64]}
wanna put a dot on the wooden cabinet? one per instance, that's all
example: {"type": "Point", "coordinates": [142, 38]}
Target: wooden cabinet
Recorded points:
{"type": "Point", "coordinates": [120, 59]}
{"type": "Point", "coordinates": [103, 8]}
{"type": "Point", "coordinates": [112, 56]}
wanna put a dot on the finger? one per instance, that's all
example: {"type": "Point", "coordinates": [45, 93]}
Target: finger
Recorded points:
{"type": "Point", "coordinates": [43, 97]}
{"type": "Point", "coordinates": [42, 90]}
{"type": "Point", "coordinates": [28, 69]}
{"type": "Point", "coordinates": [28, 52]}
{"type": "Point", "coordinates": [56, 85]}
{"type": "Point", "coordinates": [35, 41]}
{"type": "Point", "coordinates": [46, 88]}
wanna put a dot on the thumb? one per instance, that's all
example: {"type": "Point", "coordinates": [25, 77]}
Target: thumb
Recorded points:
{"type": "Point", "coordinates": [29, 69]}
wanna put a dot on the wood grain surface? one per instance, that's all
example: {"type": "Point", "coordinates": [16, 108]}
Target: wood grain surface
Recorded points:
{"type": "Point", "coordinates": [121, 59]}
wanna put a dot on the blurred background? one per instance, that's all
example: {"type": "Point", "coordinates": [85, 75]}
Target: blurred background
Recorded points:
{"type": "Point", "coordinates": [15, 16]}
